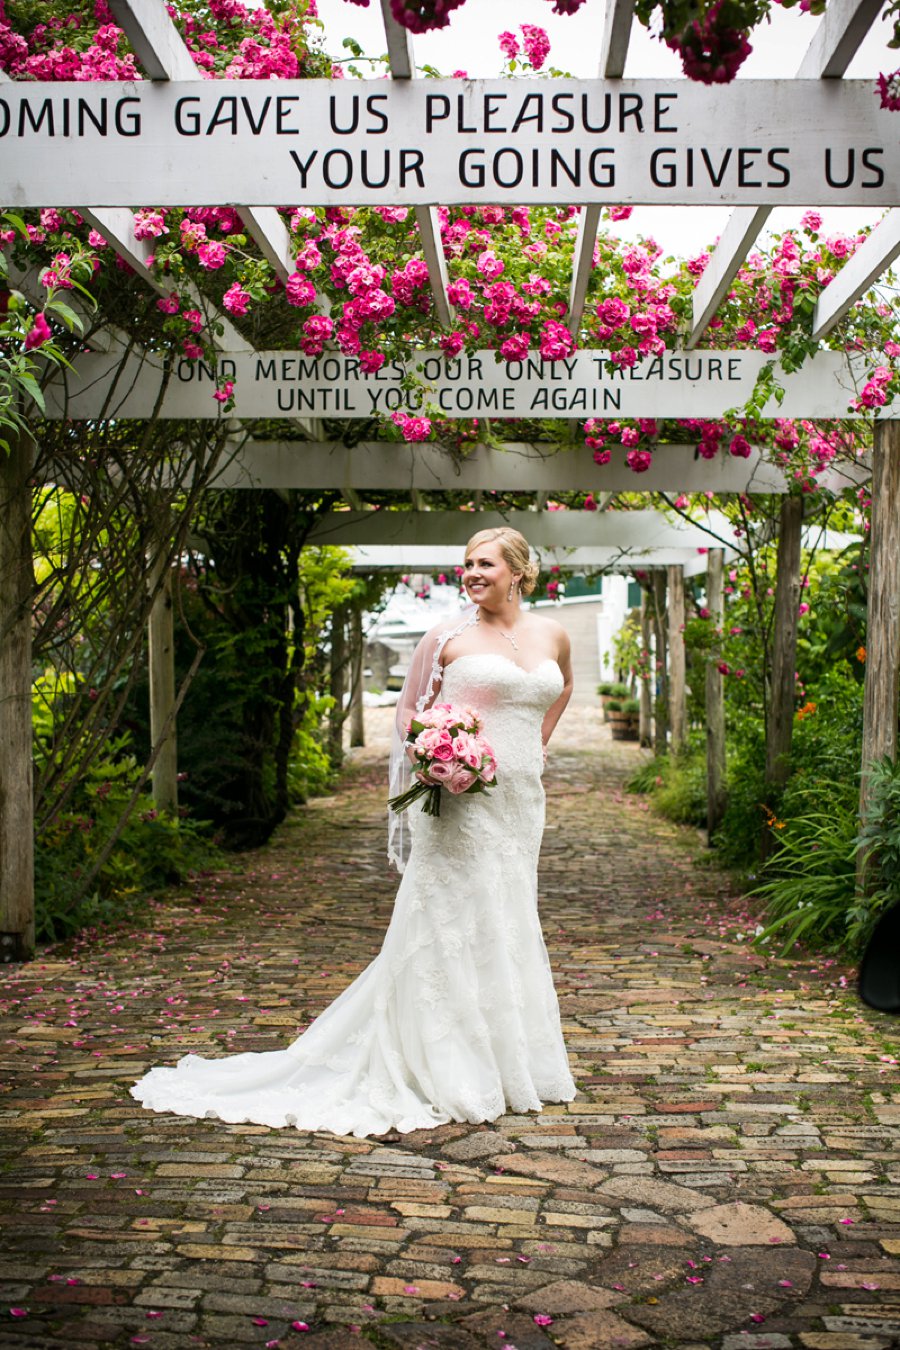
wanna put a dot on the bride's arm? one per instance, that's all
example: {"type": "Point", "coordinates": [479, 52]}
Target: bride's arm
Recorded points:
{"type": "Point", "coordinates": [556, 710]}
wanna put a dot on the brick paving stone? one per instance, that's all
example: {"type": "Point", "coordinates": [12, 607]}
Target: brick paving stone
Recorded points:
{"type": "Point", "coordinates": [733, 1153]}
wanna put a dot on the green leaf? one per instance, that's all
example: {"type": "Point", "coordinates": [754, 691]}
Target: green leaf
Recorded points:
{"type": "Point", "coordinates": [30, 385]}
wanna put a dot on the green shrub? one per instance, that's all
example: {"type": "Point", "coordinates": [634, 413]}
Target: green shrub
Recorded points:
{"type": "Point", "coordinates": [614, 705]}
{"type": "Point", "coordinates": [809, 892]}
{"type": "Point", "coordinates": [632, 706]}
{"type": "Point", "coordinates": [604, 689]}
{"type": "Point", "coordinates": [676, 785]}
{"type": "Point", "coordinates": [619, 690]}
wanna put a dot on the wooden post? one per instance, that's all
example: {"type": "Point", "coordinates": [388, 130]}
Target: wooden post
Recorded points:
{"type": "Point", "coordinates": [646, 714]}
{"type": "Point", "coordinates": [357, 654]}
{"type": "Point", "coordinates": [337, 681]}
{"type": "Point", "coordinates": [17, 933]}
{"type": "Point", "coordinates": [784, 649]}
{"type": "Point", "coordinates": [661, 701]}
{"type": "Point", "coordinates": [161, 652]}
{"type": "Point", "coordinates": [677, 671]}
{"type": "Point", "coordinates": [715, 698]}
{"type": "Point", "coordinates": [880, 699]}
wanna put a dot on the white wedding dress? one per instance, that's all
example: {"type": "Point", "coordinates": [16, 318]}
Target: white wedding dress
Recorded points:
{"type": "Point", "coordinates": [456, 1019]}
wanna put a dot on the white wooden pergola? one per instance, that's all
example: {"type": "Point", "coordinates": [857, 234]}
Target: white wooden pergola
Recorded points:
{"type": "Point", "coordinates": [626, 540]}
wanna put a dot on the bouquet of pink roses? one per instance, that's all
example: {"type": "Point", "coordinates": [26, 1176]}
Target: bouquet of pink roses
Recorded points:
{"type": "Point", "coordinates": [448, 751]}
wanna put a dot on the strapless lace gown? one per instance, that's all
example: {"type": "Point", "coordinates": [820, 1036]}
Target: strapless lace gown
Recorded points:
{"type": "Point", "coordinates": [456, 1019]}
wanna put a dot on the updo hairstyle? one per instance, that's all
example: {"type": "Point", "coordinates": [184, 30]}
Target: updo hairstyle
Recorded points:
{"type": "Point", "coordinates": [515, 551]}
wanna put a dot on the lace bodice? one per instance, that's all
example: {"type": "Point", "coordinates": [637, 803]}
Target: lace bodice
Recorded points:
{"type": "Point", "coordinates": [512, 702]}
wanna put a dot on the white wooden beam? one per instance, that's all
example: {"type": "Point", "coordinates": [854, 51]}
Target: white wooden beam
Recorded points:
{"type": "Point", "coordinates": [589, 558]}
{"type": "Point", "coordinates": [633, 531]}
{"type": "Point", "coordinates": [741, 229]}
{"type": "Point", "coordinates": [165, 56]}
{"type": "Point", "coordinates": [403, 67]}
{"type": "Point", "coordinates": [519, 466]}
{"type": "Point", "coordinates": [268, 230]}
{"type": "Point", "coordinates": [433, 250]}
{"type": "Point", "coordinates": [858, 274]}
{"type": "Point", "coordinates": [116, 224]}
{"type": "Point", "coordinates": [157, 43]}
{"type": "Point", "coordinates": [582, 265]}
{"type": "Point", "coordinates": [616, 35]}
{"type": "Point", "coordinates": [399, 45]}
{"type": "Point", "coordinates": [613, 51]}
{"type": "Point", "coordinates": [830, 52]}
{"type": "Point", "coordinates": [837, 39]}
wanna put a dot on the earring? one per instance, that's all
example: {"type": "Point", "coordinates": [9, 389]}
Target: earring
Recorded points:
{"type": "Point", "coordinates": [512, 590]}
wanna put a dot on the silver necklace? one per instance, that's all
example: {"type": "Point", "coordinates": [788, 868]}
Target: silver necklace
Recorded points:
{"type": "Point", "coordinates": [510, 636]}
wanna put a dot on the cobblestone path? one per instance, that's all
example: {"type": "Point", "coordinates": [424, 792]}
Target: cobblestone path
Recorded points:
{"type": "Point", "coordinates": [728, 1177]}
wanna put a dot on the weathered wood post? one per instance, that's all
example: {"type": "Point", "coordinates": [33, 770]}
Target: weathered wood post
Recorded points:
{"type": "Point", "coordinates": [337, 683]}
{"type": "Point", "coordinates": [784, 647]}
{"type": "Point", "coordinates": [646, 712]}
{"type": "Point", "coordinates": [17, 932]}
{"type": "Point", "coordinates": [357, 653]}
{"type": "Point", "coordinates": [677, 664]}
{"type": "Point", "coordinates": [880, 699]}
{"type": "Point", "coordinates": [661, 663]}
{"type": "Point", "coordinates": [161, 655]}
{"type": "Point", "coordinates": [715, 698]}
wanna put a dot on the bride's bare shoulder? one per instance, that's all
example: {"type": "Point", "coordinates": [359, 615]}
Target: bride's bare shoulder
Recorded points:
{"type": "Point", "coordinates": [550, 630]}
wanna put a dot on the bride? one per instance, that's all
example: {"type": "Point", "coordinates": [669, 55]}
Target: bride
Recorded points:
{"type": "Point", "coordinates": [456, 1019]}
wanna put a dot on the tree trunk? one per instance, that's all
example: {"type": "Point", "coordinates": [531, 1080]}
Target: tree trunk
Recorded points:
{"type": "Point", "coordinates": [677, 671]}
{"type": "Point", "coordinates": [161, 644]}
{"type": "Point", "coordinates": [880, 704]}
{"type": "Point", "coordinates": [16, 782]}
{"type": "Point", "coordinates": [715, 699]}
{"type": "Point", "coordinates": [661, 701]}
{"type": "Point", "coordinates": [646, 715]}
{"type": "Point", "coordinates": [357, 653]}
{"type": "Point", "coordinates": [784, 654]}
{"type": "Point", "coordinates": [338, 675]}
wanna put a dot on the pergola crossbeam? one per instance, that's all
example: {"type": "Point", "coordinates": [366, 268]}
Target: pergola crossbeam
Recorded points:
{"type": "Point", "coordinates": [165, 56]}
{"type": "Point", "coordinates": [616, 36]}
{"type": "Point", "coordinates": [116, 224]}
{"type": "Point", "coordinates": [157, 43]}
{"type": "Point", "coordinates": [403, 67]}
{"type": "Point", "coordinates": [433, 250]}
{"type": "Point", "coordinates": [422, 467]}
{"type": "Point", "coordinates": [833, 47]}
{"type": "Point", "coordinates": [582, 264]}
{"type": "Point", "coordinates": [858, 274]}
{"type": "Point", "coordinates": [638, 532]}
{"type": "Point", "coordinates": [272, 237]}
{"type": "Point", "coordinates": [613, 51]}
{"type": "Point", "coordinates": [399, 45]}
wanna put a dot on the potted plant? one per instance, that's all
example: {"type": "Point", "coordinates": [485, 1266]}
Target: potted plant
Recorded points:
{"type": "Point", "coordinates": [611, 692]}
{"type": "Point", "coordinates": [624, 718]}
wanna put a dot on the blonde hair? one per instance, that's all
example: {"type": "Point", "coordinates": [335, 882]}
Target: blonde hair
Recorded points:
{"type": "Point", "coordinates": [515, 551]}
